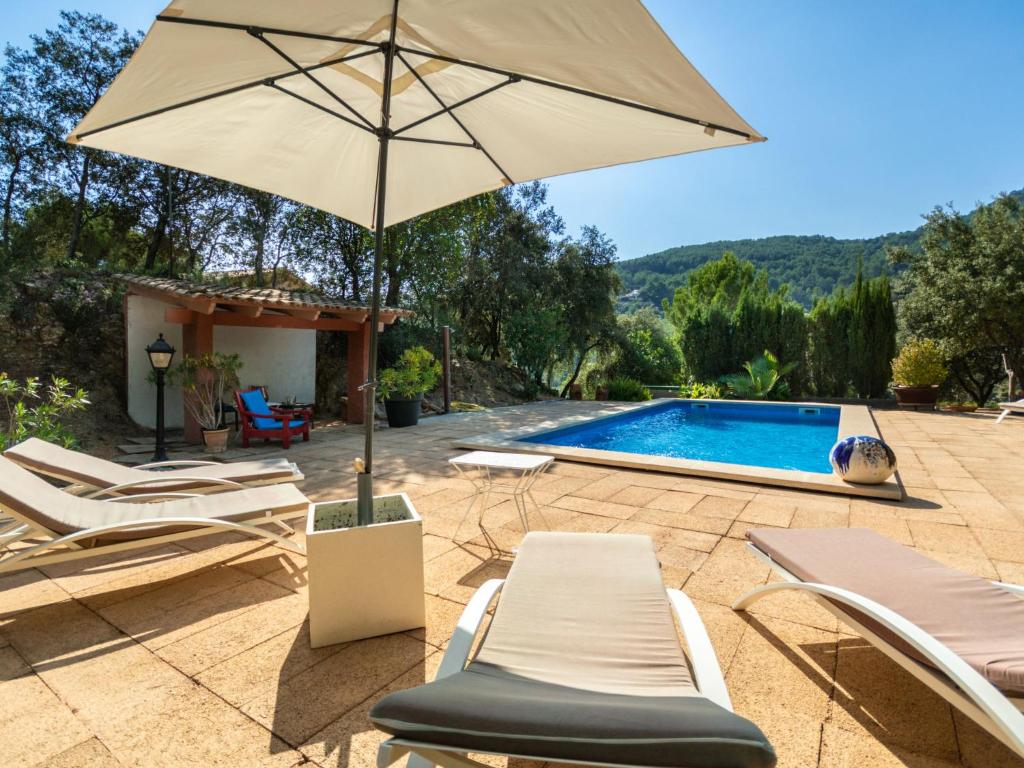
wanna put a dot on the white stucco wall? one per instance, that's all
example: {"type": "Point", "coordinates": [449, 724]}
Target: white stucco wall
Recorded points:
{"type": "Point", "coordinates": [145, 318]}
{"type": "Point", "coordinates": [282, 359]}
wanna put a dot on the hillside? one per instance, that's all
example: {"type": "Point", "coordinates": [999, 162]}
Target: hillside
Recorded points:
{"type": "Point", "coordinates": [810, 264]}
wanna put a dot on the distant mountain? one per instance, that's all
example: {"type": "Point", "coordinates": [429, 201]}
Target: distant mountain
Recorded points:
{"type": "Point", "coordinates": [810, 264]}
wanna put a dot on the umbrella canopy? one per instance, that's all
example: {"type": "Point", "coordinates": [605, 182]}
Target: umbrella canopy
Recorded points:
{"type": "Point", "coordinates": [307, 99]}
{"type": "Point", "coordinates": [542, 89]}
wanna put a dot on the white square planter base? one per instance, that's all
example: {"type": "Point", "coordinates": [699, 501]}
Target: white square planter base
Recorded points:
{"type": "Point", "coordinates": [364, 581]}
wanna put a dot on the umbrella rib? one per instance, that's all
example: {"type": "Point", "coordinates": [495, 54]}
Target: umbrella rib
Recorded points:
{"type": "Point", "coordinates": [218, 94]}
{"type": "Point", "coordinates": [442, 142]}
{"type": "Point", "coordinates": [455, 117]}
{"type": "Point", "coordinates": [268, 30]}
{"type": "Point", "coordinates": [580, 92]}
{"type": "Point", "coordinates": [258, 34]}
{"type": "Point", "coordinates": [448, 110]}
{"type": "Point", "coordinates": [321, 107]}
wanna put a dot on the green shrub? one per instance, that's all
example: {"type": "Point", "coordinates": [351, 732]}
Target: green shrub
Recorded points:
{"type": "Point", "coordinates": [33, 411]}
{"type": "Point", "coordinates": [415, 373]}
{"type": "Point", "coordinates": [700, 390]}
{"type": "Point", "coordinates": [763, 378]}
{"type": "Point", "coordinates": [919, 364]}
{"type": "Point", "coordinates": [626, 389]}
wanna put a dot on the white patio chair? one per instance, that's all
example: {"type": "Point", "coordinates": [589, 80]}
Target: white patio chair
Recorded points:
{"type": "Point", "coordinates": [580, 664]}
{"type": "Point", "coordinates": [95, 477]}
{"type": "Point", "coordinates": [72, 527]}
{"type": "Point", "coordinates": [960, 635]}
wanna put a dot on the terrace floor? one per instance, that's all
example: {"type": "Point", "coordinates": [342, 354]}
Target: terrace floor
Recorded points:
{"type": "Point", "coordinates": [198, 655]}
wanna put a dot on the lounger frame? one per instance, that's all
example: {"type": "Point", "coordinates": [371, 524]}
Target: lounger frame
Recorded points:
{"type": "Point", "coordinates": [79, 487]}
{"type": "Point", "coordinates": [706, 672]}
{"type": "Point", "coordinates": [1016, 406]}
{"type": "Point", "coordinates": [58, 548]}
{"type": "Point", "coordinates": [953, 678]}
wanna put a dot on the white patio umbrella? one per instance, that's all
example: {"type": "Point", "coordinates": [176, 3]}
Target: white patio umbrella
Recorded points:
{"type": "Point", "coordinates": [380, 110]}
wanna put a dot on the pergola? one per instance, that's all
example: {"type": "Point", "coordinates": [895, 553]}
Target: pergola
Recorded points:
{"type": "Point", "coordinates": [197, 308]}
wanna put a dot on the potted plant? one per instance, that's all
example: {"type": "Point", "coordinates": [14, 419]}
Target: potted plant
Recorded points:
{"type": "Point", "coordinates": [203, 381]}
{"type": "Point", "coordinates": [917, 372]}
{"type": "Point", "coordinates": [365, 580]}
{"type": "Point", "coordinates": [402, 387]}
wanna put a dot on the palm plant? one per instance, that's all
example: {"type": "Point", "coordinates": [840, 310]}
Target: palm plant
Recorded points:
{"type": "Point", "coordinates": [763, 378]}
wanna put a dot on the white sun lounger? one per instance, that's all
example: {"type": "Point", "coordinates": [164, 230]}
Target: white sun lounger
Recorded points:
{"type": "Point", "coordinates": [72, 527]}
{"type": "Point", "coordinates": [95, 477]}
{"type": "Point", "coordinates": [1017, 406]}
{"type": "Point", "coordinates": [580, 664]}
{"type": "Point", "coordinates": [960, 635]}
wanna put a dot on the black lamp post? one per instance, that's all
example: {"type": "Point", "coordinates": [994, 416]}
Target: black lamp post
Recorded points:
{"type": "Point", "coordinates": [160, 355]}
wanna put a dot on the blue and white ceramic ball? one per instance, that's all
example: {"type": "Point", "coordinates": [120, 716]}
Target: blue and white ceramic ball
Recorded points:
{"type": "Point", "coordinates": [863, 459]}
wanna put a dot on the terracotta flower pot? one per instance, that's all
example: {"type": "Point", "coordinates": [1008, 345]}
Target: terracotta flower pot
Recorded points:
{"type": "Point", "coordinates": [216, 440]}
{"type": "Point", "coordinates": [917, 396]}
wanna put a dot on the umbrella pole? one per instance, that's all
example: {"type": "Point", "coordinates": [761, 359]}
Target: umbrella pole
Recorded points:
{"type": "Point", "coordinates": [364, 503]}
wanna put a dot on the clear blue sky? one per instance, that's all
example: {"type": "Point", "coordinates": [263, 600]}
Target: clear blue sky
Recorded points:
{"type": "Point", "coordinates": [875, 111]}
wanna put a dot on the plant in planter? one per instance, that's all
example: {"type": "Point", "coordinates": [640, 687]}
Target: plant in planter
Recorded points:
{"type": "Point", "coordinates": [203, 381]}
{"type": "Point", "coordinates": [364, 580]}
{"type": "Point", "coordinates": [917, 372]}
{"type": "Point", "coordinates": [402, 387]}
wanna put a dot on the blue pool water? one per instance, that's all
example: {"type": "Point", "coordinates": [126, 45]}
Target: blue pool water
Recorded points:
{"type": "Point", "coordinates": [775, 435]}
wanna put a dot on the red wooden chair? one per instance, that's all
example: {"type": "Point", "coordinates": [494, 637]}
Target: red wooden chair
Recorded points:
{"type": "Point", "coordinates": [261, 420]}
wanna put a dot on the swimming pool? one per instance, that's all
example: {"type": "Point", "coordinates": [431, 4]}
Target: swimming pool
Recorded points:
{"type": "Point", "coordinates": [776, 435]}
{"type": "Point", "coordinates": [783, 444]}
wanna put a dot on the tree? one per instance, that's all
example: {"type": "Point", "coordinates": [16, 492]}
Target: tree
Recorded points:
{"type": "Point", "coordinates": [71, 67]}
{"type": "Point", "coordinates": [643, 349]}
{"type": "Point", "coordinates": [586, 286]}
{"type": "Point", "coordinates": [727, 314]}
{"type": "Point", "coordinates": [872, 336]}
{"type": "Point", "coordinates": [965, 289]}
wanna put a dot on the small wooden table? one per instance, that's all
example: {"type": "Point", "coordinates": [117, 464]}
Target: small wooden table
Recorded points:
{"type": "Point", "coordinates": [519, 471]}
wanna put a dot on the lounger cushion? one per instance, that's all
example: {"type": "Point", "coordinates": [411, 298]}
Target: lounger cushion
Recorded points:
{"type": "Point", "coordinates": [74, 467]}
{"type": "Point", "coordinates": [580, 662]}
{"type": "Point", "coordinates": [980, 622]}
{"type": "Point", "coordinates": [476, 711]}
{"type": "Point", "coordinates": [45, 506]}
{"type": "Point", "coordinates": [277, 423]}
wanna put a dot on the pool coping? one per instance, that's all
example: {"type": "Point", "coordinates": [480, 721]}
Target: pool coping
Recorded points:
{"type": "Point", "coordinates": [853, 420]}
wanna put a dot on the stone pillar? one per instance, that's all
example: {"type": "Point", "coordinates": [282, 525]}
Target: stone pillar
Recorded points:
{"type": "Point", "coordinates": [196, 340]}
{"type": "Point", "coordinates": [358, 368]}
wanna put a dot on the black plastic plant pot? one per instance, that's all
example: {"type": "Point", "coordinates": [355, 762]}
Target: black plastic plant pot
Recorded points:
{"type": "Point", "coordinates": [403, 413]}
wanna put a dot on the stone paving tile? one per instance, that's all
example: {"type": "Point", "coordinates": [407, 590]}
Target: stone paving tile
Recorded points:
{"type": "Point", "coordinates": [351, 740]}
{"type": "Point", "coordinates": [88, 754]}
{"type": "Point", "coordinates": [225, 675]}
{"type": "Point", "coordinates": [676, 501]}
{"type": "Point", "coordinates": [200, 651]}
{"type": "Point", "coordinates": [1001, 545]}
{"type": "Point", "coordinates": [635, 495]}
{"type": "Point", "coordinates": [843, 749]}
{"type": "Point", "coordinates": [302, 705]}
{"type": "Point", "coordinates": [262, 668]}
{"type": "Point", "coordinates": [592, 507]}
{"type": "Point", "coordinates": [24, 590]}
{"type": "Point", "coordinates": [883, 523]}
{"type": "Point", "coordinates": [875, 698]}
{"type": "Point", "coordinates": [40, 727]}
{"type": "Point", "coordinates": [801, 684]}
{"type": "Point", "coordinates": [941, 537]}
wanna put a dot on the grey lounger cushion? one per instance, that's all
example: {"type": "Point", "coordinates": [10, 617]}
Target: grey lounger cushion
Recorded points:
{"type": "Point", "coordinates": [581, 662]}
{"type": "Point", "coordinates": [74, 467]}
{"type": "Point", "coordinates": [46, 506]}
{"type": "Point", "coordinates": [978, 621]}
